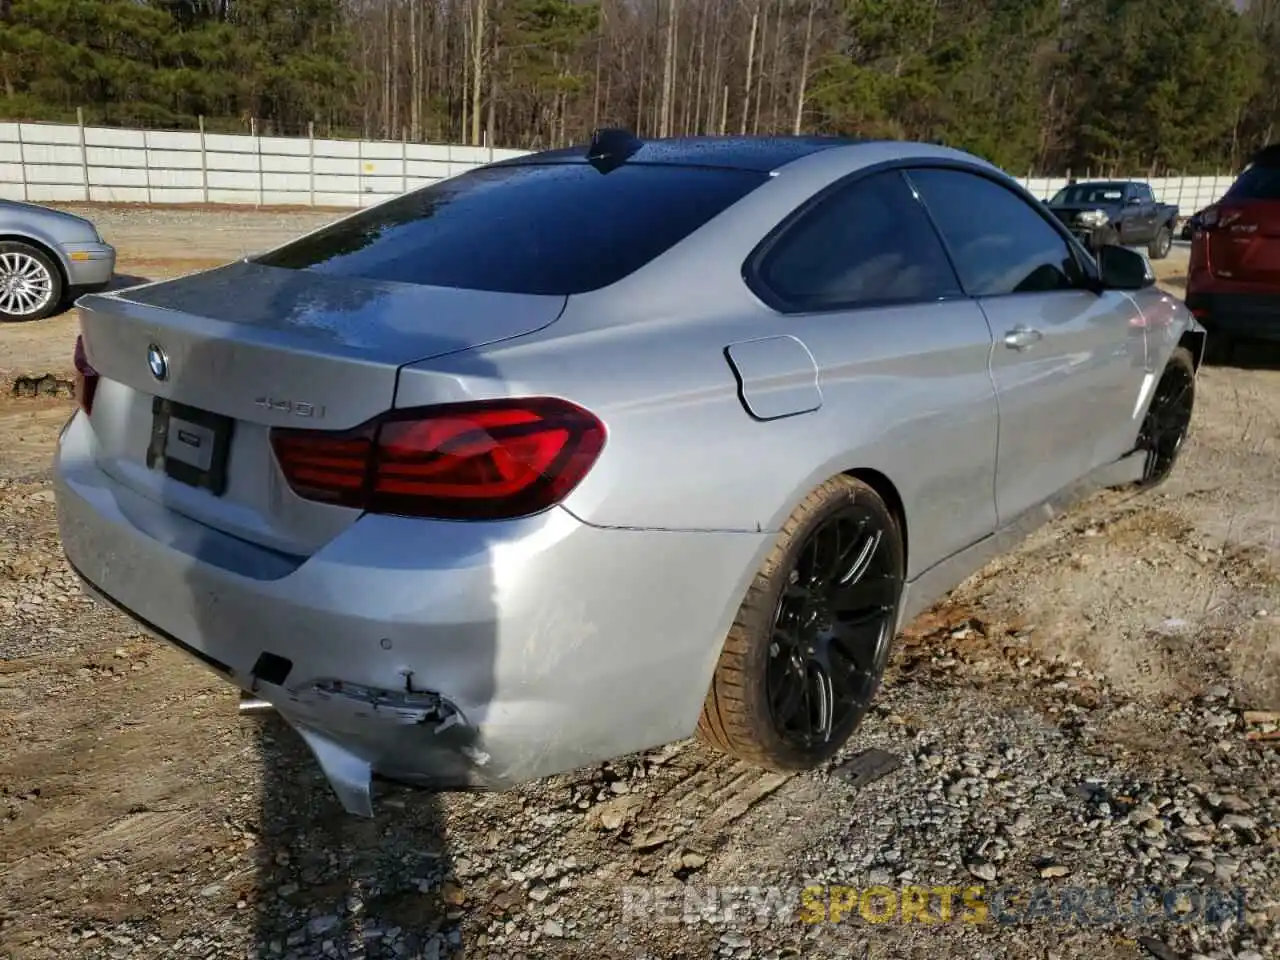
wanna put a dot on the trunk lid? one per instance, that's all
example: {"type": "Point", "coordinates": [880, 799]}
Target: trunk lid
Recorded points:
{"type": "Point", "coordinates": [1244, 244]}
{"type": "Point", "coordinates": [247, 347]}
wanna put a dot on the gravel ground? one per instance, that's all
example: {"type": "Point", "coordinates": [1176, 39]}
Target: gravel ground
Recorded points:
{"type": "Point", "coordinates": [1084, 720]}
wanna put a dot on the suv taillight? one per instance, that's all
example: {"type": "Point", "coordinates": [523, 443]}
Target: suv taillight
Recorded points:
{"type": "Point", "coordinates": [1209, 216]}
{"type": "Point", "coordinates": [86, 377]}
{"type": "Point", "coordinates": [481, 460]}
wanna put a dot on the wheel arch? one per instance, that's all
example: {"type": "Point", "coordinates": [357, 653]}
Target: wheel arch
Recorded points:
{"type": "Point", "coordinates": [44, 248]}
{"type": "Point", "coordinates": [1195, 342]}
{"type": "Point", "coordinates": [887, 492]}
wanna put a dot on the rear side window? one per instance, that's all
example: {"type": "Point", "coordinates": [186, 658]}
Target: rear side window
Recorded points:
{"type": "Point", "coordinates": [1260, 182]}
{"type": "Point", "coordinates": [869, 243]}
{"type": "Point", "coordinates": [540, 229]}
{"type": "Point", "coordinates": [1001, 244]}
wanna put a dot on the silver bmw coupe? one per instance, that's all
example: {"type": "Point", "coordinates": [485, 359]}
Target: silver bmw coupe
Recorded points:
{"type": "Point", "coordinates": [582, 452]}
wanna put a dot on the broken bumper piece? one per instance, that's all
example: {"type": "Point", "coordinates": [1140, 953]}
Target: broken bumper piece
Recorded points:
{"type": "Point", "coordinates": [350, 776]}
{"type": "Point", "coordinates": [354, 730]}
{"type": "Point", "coordinates": [394, 706]}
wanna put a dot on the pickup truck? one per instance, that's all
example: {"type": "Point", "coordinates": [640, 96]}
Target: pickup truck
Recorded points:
{"type": "Point", "coordinates": [1102, 212]}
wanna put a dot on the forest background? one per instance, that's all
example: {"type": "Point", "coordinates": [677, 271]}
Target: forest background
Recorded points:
{"type": "Point", "coordinates": [1036, 86]}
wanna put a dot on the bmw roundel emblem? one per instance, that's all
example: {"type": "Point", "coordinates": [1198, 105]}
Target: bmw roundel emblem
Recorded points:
{"type": "Point", "coordinates": [158, 362]}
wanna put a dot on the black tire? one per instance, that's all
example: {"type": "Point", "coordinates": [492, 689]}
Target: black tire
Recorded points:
{"type": "Point", "coordinates": [38, 272]}
{"type": "Point", "coordinates": [1168, 418]}
{"type": "Point", "coordinates": [1161, 243]}
{"type": "Point", "coordinates": [760, 671]}
{"type": "Point", "coordinates": [67, 300]}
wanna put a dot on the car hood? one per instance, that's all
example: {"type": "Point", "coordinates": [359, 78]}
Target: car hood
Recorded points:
{"type": "Point", "coordinates": [19, 210]}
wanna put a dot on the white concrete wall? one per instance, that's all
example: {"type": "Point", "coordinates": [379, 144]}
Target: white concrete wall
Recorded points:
{"type": "Point", "coordinates": [65, 162]}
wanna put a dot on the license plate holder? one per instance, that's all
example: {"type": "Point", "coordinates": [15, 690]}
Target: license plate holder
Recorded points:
{"type": "Point", "coordinates": [192, 445]}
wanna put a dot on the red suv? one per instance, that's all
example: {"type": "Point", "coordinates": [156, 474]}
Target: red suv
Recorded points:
{"type": "Point", "coordinates": [1233, 285]}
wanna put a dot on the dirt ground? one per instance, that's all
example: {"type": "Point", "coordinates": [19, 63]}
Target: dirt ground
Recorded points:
{"type": "Point", "coordinates": [1078, 709]}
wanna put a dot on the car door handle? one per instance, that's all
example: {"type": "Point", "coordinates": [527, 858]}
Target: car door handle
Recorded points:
{"type": "Point", "coordinates": [1019, 338]}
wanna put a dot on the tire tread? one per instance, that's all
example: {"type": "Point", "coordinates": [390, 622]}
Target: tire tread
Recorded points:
{"type": "Point", "coordinates": [727, 721]}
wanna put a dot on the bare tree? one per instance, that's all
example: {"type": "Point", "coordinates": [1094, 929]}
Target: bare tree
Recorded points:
{"type": "Point", "coordinates": [477, 69]}
{"type": "Point", "coordinates": [760, 67]}
{"type": "Point", "coordinates": [751, 53]}
{"type": "Point", "coordinates": [804, 69]}
{"type": "Point", "coordinates": [668, 72]}
{"type": "Point", "coordinates": [595, 89]}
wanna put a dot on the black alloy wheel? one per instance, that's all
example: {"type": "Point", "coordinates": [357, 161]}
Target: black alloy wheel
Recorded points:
{"type": "Point", "coordinates": [812, 636]}
{"type": "Point", "coordinates": [832, 629]}
{"type": "Point", "coordinates": [1168, 419]}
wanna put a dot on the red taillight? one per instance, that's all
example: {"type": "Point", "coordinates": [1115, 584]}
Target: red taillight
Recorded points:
{"type": "Point", "coordinates": [485, 460]}
{"type": "Point", "coordinates": [86, 377]}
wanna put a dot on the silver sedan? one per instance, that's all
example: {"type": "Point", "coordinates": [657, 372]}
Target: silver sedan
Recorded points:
{"type": "Point", "coordinates": [579, 453]}
{"type": "Point", "coordinates": [48, 258]}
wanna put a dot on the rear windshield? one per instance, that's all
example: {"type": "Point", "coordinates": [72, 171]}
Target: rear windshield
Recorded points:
{"type": "Point", "coordinates": [1260, 182]}
{"type": "Point", "coordinates": [542, 229]}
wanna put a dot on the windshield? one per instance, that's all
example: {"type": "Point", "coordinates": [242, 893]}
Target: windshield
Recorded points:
{"type": "Point", "coordinates": [1080, 194]}
{"type": "Point", "coordinates": [558, 228]}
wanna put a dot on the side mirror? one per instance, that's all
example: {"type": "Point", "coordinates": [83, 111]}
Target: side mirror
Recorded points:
{"type": "Point", "coordinates": [1120, 268]}
{"type": "Point", "coordinates": [1134, 201]}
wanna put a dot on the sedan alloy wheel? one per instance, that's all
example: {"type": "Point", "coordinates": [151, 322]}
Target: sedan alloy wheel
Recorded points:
{"type": "Point", "coordinates": [29, 283]}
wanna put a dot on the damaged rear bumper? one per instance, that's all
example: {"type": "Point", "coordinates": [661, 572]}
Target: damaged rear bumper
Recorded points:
{"type": "Point", "coordinates": [443, 655]}
{"type": "Point", "coordinates": [419, 737]}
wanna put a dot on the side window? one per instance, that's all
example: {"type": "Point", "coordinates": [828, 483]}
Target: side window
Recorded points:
{"type": "Point", "coordinates": [869, 243]}
{"type": "Point", "coordinates": [1143, 192]}
{"type": "Point", "coordinates": [999, 242]}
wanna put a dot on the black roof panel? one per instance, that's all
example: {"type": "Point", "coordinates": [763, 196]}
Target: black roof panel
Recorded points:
{"type": "Point", "coordinates": [1268, 156]}
{"type": "Point", "coordinates": [760, 154]}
